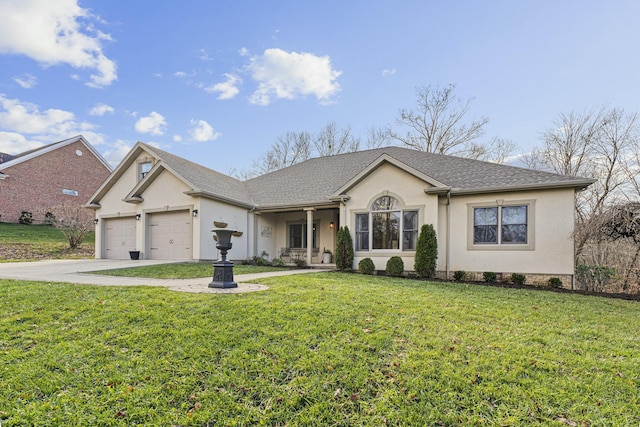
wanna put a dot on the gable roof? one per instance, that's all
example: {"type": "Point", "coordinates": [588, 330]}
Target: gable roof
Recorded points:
{"type": "Point", "coordinates": [28, 155]}
{"type": "Point", "coordinates": [203, 181]}
{"type": "Point", "coordinates": [321, 181]}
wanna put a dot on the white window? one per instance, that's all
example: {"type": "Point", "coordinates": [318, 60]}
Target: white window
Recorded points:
{"type": "Point", "coordinates": [144, 169]}
{"type": "Point", "coordinates": [298, 236]}
{"type": "Point", "coordinates": [500, 226]}
{"type": "Point", "coordinates": [387, 226]}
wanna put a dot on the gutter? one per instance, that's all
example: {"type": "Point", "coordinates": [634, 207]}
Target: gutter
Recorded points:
{"type": "Point", "coordinates": [577, 184]}
{"type": "Point", "coordinates": [448, 252]}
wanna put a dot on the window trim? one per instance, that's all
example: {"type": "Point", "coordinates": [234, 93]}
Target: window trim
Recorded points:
{"type": "Point", "coordinates": [141, 174]}
{"type": "Point", "coordinates": [401, 209]}
{"type": "Point", "coordinates": [316, 228]}
{"type": "Point", "coordinates": [499, 246]}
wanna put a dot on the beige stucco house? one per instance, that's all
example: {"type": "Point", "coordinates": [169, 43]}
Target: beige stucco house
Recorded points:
{"type": "Point", "coordinates": [488, 217]}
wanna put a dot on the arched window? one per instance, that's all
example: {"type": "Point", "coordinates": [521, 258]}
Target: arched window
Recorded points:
{"type": "Point", "coordinates": [387, 226]}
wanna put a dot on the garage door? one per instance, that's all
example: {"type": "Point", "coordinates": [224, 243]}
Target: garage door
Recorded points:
{"type": "Point", "coordinates": [120, 237]}
{"type": "Point", "coordinates": [170, 235]}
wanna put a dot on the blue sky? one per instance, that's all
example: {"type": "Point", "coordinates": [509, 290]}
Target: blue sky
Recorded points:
{"type": "Point", "coordinates": [218, 81]}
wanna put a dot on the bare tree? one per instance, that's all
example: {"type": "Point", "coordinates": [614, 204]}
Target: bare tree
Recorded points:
{"type": "Point", "coordinates": [496, 151]}
{"type": "Point", "coordinates": [622, 222]}
{"type": "Point", "coordinates": [438, 124]}
{"type": "Point", "coordinates": [289, 149]}
{"type": "Point", "coordinates": [331, 140]}
{"type": "Point", "coordinates": [378, 137]}
{"type": "Point", "coordinates": [599, 145]}
{"type": "Point", "coordinates": [74, 221]}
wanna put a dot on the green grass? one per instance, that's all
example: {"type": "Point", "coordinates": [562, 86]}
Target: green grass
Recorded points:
{"type": "Point", "coordinates": [20, 242]}
{"type": "Point", "coordinates": [182, 270]}
{"type": "Point", "coordinates": [323, 349]}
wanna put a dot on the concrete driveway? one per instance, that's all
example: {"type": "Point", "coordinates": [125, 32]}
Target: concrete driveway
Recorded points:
{"type": "Point", "coordinates": [76, 271]}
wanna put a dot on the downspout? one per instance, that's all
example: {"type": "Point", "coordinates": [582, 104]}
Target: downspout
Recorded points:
{"type": "Point", "coordinates": [448, 252]}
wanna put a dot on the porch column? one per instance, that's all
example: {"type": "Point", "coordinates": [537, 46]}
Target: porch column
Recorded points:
{"type": "Point", "coordinates": [309, 234]}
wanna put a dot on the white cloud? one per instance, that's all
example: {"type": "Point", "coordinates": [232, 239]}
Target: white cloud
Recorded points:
{"type": "Point", "coordinates": [101, 109]}
{"type": "Point", "coordinates": [288, 75]}
{"type": "Point", "coordinates": [26, 81]}
{"type": "Point", "coordinates": [56, 32]}
{"type": "Point", "coordinates": [26, 118]}
{"type": "Point", "coordinates": [23, 126]}
{"type": "Point", "coordinates": [201, 131]}
{"type": "Point", "coordinates": [227, 89]}
{"type": "Point", "coordinates": [388, 72]}
{"type": "Point", "coordinates": [116, 152]}
{"type": "Point", "coordinates": [177, 138]}
{"type": "Point", "coordinates": [154, 124]}
{"type": "Point", "coordinates": [14, 143]}
{"type": "Point", "coordinates": [243, 51]}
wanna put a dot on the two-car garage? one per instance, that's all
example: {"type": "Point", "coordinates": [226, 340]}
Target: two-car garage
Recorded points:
{"type": "Point", "coordinates": [168, 236]}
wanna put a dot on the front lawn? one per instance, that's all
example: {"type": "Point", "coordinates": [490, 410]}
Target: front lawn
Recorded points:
{"type": "Point", "coordinates": [182, 270]}
{"type": "Point", "coordinates": [320, 349]}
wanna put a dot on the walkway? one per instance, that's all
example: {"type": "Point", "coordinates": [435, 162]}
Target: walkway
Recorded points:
{"type": "Point", "coordinates": [76, 271]}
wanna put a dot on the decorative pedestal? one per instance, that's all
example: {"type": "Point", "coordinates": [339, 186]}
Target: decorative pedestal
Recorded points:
{"type": "Point", "coordinates": [223, 269]}
{"type": "Point", "coordinates": [223, 275]}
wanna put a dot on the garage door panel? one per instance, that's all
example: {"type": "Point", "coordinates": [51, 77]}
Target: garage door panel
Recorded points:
{"type": "Point", "coordinates": [170, 235]}
{"type": "Point", "coordinates": [120, 237]}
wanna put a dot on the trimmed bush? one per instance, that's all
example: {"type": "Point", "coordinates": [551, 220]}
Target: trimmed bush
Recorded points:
{"type": "Point", "coordinates": [49, 219]}
{"type": "Point", "coordinates": [344, 249]}
{"type": "Point", "coordinates": [426, 252]}
{"type": "Point", "coordinates": [489, 276]}
{"type": "Point", "coordinates": [555, 282]}
{"type": "Point", "coordinates": [279, 262]}
{"type": "Point", "coordinates": [26, 218]}
{"type": "Point", "coordinates": [395, 267]}
{"type": "Point", "coordinates": [518, 279]}
{"type": "Point", "coordinates": [459, 275]}
{"type": "Point", "coordinates": [366, 266]}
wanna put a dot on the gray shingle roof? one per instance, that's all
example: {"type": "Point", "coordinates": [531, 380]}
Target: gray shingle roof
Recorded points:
{"type": "Point", "coordinates": [204, 179]}
{"type": "Point", "coordinates": [316, 180]}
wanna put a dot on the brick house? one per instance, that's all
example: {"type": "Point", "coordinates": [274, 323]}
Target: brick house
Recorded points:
{"type": "Point", "coordinates": [65, 171]}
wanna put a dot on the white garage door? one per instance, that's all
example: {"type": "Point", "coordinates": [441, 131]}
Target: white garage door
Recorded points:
{"type": "Point", "coordinates": [170, 235]}
{"type": "Point", "coordinates": [120, 237]}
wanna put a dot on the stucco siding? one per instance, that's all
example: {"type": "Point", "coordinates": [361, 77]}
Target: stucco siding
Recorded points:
{"type": "Point", "coordinates": [551, 220]}
{"type": "Point", "coordinates": [235, 217]}
{"type": "Point", "coordinates": [408, 190]}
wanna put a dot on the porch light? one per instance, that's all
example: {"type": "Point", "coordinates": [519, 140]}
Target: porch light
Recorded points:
{"type": "Point", "coordinates": [95, 221]}
{"type": "Point", "coordinates": [138, 216]}
{"type": "Point", "coordinates": [194, 213]}
{"type": "Point", "coordinates": [331, 225]}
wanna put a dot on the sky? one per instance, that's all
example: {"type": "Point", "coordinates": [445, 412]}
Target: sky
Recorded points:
{"type": "Point", "coordinates": [218, 81]}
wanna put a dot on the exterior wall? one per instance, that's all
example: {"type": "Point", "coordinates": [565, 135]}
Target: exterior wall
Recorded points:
{"type": "Point", "coordinates": [37, 183]}
{"type": "Point", "coordinates": [235, 217]}
{"type": "Point", "coordinates": [551, 253]}
{"type": "Point", "coordinates": [409, 190]}
{"type": "Point", "coordinates": [165, 194]}
{"type": "Point", "coordinates": [266, 232]}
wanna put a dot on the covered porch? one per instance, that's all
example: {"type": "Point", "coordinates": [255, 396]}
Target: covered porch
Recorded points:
{"type": "Point", "coordinates": [300, 236]}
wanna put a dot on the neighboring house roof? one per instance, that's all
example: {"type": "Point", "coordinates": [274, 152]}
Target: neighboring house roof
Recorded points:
{"type": "Point", "coordinates": [323, 180]}
{"type": "Point", "coordinates": [4, 157]}
{"type": "Point", "coordinates": [28, 155]}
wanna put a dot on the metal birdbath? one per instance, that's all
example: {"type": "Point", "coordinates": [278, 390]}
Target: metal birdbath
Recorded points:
{"type": "Point", "coordinates": [223, 269]}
